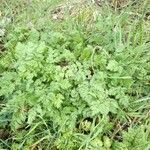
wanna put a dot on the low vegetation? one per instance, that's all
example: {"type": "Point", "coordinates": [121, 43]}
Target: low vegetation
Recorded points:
{"type": "Point", "coordinates": [74, 75]}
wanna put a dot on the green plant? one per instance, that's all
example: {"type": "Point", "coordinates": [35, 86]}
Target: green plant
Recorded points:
{"type": "Point", "coordinates": [84, 85]}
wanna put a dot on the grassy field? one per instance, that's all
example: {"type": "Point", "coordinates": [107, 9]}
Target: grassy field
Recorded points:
{"type": "Point", "coordinates": [74, 75]}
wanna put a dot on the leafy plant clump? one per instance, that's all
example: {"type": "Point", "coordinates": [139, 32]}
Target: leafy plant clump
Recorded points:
{"type": "Point", "coordinates": [84, 85]}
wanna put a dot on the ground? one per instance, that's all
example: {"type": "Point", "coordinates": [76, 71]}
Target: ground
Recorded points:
{"type": "Point", "coordinates": [74, 75]}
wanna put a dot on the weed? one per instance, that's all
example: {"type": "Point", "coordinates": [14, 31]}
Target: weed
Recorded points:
{"type": "Point", "coordinates": [74, 76]}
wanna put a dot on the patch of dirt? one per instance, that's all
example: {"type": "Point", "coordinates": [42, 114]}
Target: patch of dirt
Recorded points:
{"type": "Point", "coordinates": [4, 134]}
{"type": "Point", "coordinates": [83, 8]}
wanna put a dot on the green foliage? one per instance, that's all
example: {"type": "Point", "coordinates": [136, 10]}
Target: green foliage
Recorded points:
{"type": "Point", "coordinates": [76, 87]}
{"type": "Point", "coordinates": [135, 139]}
